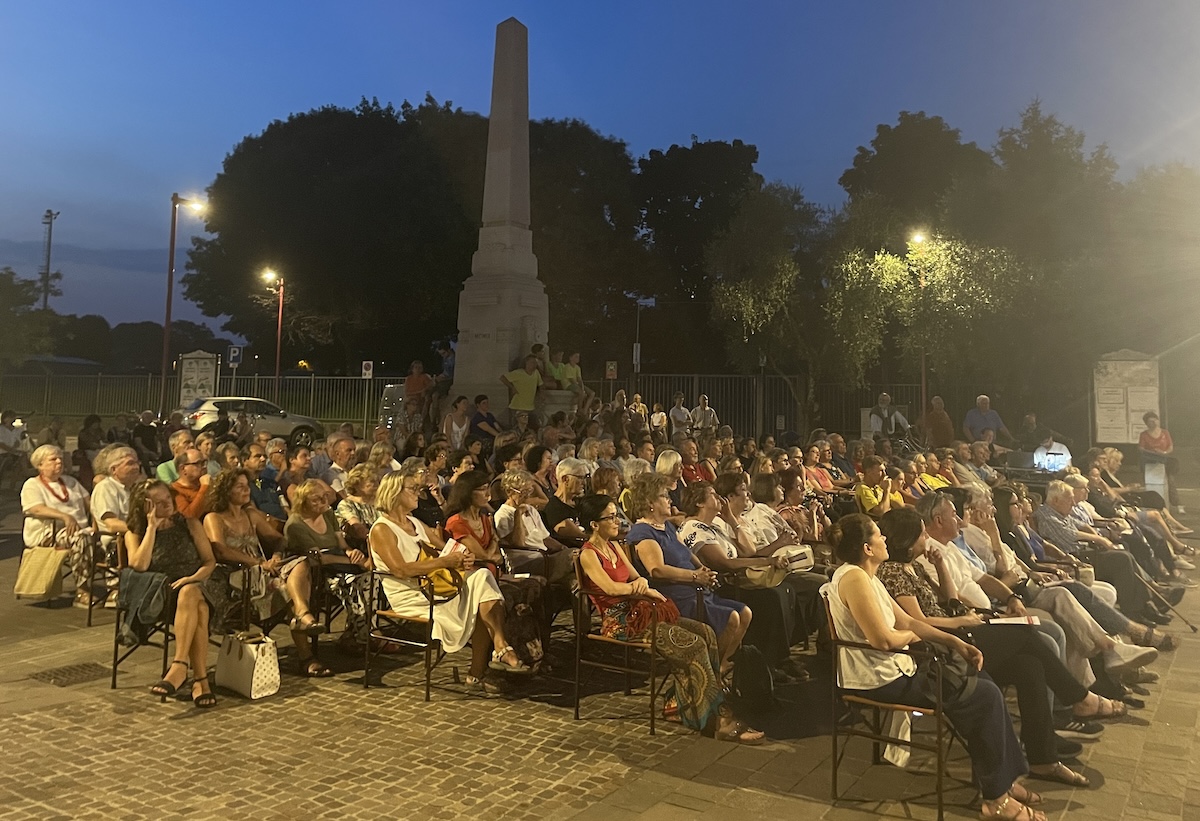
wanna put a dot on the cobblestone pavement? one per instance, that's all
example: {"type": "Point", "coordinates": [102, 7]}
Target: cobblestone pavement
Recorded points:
{"type": "Point", "coordinates": [329, 749]}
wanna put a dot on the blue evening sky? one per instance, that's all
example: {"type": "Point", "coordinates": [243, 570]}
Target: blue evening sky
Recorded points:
{"type": "Point", "coordinates": [106, 108]}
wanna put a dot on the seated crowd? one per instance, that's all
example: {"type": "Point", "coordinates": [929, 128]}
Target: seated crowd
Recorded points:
{"type": "Point", "coordinates": [682, 529]}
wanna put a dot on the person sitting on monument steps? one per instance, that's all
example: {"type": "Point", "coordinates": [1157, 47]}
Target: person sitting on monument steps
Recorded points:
{"type": "Point", "coordinates": [625, 598]}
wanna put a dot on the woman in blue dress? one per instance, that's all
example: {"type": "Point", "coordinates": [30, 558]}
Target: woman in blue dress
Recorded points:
{"type": "Point", "coordinates": [658, 555]}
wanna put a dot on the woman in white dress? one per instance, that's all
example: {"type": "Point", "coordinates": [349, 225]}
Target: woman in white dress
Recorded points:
{"type": "Point", "coordinates": [475, 616]}
{"type": "Point", "coordinates": [456, 424]}
{"type": "Point", "coordinates": [51, 495]}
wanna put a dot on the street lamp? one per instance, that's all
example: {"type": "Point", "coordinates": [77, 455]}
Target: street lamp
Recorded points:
{"type": "Point", "coordinates": [197, 206]}
{"type": "Point", "coordinates": [270, 276]}
{"type": "Point", "coordinates": [918, 239]}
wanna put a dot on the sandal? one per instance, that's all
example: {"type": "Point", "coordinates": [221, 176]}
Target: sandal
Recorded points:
{"type": "Point", "coordinates": [313, 668]}
{"type": "Point", "coordinates": [1062, 774]}
{"type": "Point", "coordinates": [497, 663]}
{"type": "Point", "coordinates": [481, 686]}
{"type": "Point", "coordinates": [1107, 709]}
{"type": "Point", "coordinates": [165, 688]}
{"type": "Point", "coordinates": [312, 627]}
{"type": "Point", "coordinates": [1023, 814]}
{"type": "Point", "coordinates": [1159, 641]}
{"type": "Point", "coordinates": [742, 734]}
{"type": "Point", "coordinates": [1029, 797]}
{"type": "Point", "coordinates": [204, 700]}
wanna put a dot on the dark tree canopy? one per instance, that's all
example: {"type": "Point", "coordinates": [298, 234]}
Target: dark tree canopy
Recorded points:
{"type": "Point", "coordinates": [910, 166]}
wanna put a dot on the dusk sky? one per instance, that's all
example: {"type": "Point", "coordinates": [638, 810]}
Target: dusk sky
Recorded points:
{"type": "Point", "coordinates": [109, 107]}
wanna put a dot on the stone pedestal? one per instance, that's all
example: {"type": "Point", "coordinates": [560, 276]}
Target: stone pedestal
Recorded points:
{"type": "Point", "coordinates": [503, 309]}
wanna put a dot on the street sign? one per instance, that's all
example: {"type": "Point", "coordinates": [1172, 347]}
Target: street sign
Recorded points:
{"type": "Point", "coordinates": [610, 369]}
{"type": "Point", "coordinates": [779, 422]}
{"type": "Point", "coordinates": [368, 369]}
{"type": "Point", "coordinates": [234, 357]}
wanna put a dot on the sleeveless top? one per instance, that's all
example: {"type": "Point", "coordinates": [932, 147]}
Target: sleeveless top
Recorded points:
{"type": "Point", "coordinates": [458, 434]}
{"type": "Point", "coordinates": [864, 669]}
{"type": "Point", "coordinates": [402, 594]}
{"type": "Point", "coordinates": [174, 554]}
{"type": "Point", "coordinates": [617, 571]}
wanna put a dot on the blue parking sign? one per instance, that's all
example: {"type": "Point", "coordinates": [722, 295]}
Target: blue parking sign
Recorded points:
{"type": "Point", "coordinates": [234, 357]}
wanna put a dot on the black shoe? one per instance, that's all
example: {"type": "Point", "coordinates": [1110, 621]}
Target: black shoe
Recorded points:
{"type": "Point", "coordinates": [1068, 726]}
{"type": "Point", "coordinates": [1066, 748]}
{"type": "Point", "coordinates": [1151, 618]}
{"type": "Point", "coordinates": [1174, 595]}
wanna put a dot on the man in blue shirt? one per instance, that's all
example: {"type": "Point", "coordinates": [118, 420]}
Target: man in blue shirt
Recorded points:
{"type": "Point", "coordinates": [982, 416]}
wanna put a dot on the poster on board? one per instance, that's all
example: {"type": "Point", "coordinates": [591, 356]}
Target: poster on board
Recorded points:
{"type": "Point", "coordinates": [1125, 384]}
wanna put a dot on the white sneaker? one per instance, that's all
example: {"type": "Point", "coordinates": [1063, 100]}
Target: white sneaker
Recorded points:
{"type": "Point", "coordinates": [1184, 564]}
{"type": "Point", "coordinates": [1125, 657]}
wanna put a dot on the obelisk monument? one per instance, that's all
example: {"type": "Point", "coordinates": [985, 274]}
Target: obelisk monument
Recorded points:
{"type": "Point", "coordinates": [503, 309]}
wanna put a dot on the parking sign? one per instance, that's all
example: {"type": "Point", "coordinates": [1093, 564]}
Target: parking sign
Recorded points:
{"type": "Point", "coordinates": [234, 356]}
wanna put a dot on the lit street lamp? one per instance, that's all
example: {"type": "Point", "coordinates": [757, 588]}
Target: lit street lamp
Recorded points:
{"type": "Point", "coordinates": [197, 206]}
{"type": "Point", "coordinates": [270, 276]}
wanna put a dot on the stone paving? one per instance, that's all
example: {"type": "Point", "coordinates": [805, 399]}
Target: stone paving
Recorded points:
{"type": "Point", "coordinates": [329, 749]}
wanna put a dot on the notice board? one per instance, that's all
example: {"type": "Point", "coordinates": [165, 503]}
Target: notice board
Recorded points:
{"type": "Point", "coordinates": [1125, 384]}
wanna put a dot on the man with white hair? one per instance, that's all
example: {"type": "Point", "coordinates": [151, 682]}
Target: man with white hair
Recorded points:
{"type": "Point", "coordinates": [180, 441]}
{"type": "Point", "coordinates": [340, 449]}
{"type": "Point", "coordinates": [982, 416]}
{"type": "Point", "coordinates": [1057, 526]}
{"type": "Point", "coordinates": [110, 502]}
{"type": "Point", "coordinates": [559, 513]}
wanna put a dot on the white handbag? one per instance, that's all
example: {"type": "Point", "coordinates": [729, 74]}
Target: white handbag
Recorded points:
{"type": "Point", "coordinates": [248, 663]}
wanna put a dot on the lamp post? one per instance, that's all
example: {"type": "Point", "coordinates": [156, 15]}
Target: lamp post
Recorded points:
{"type": "Point", "coordinates": [918, 239]}
{"type": "Point", "coordinates": [270, 276]}
{"type": "Point", "coordinates": [195, 205]}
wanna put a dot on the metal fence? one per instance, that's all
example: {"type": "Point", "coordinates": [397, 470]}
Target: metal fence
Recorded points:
{"type": "Point", "coordinates": [750, 403]}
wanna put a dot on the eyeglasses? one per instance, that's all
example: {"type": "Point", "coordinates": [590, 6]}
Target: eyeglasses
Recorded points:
{"type": "Point", "coordinates": [612, 517]}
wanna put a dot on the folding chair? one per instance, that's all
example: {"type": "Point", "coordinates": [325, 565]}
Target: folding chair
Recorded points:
{"type": "Point", "coordinates": [102, 568]}
{"type": "Point", "coordinates": [161, 628]}
{"type": "Point", "coordinates": [381, 621]}
{"type": "Point", "coordinates": [584, 633]}
{"type": "Point", "coordinates": [876, 729]}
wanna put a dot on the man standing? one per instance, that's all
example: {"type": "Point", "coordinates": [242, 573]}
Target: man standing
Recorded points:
{"type": "Point", "coordinates": [886, 420]}
{"type": "Point", "coordinates": [680, 417]}
{"type": "Point", "coordinates": [523, 385]}
{"type": "Point", "coordinates": [180, 441]}
{"type": "Point", "coordinates": [704, 419]}
{"type": "Point", "coordinates": [982, 416]}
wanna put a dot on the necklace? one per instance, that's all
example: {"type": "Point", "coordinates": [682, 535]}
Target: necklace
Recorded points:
{"type": "Point", "coordinates": [66, 494]}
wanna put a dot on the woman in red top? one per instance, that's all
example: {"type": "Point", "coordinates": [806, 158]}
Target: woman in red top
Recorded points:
{"type": "Point", "coordinates": [625, 601]}
{"type": "Point", "coordinates": [1156, 445]}
{"type": "Point", "coordinates": [469, 520]}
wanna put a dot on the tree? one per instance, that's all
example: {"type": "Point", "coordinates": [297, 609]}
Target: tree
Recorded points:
{"type": "Point", "coordinates": [355, 208]}
{"type": "Point", "coordinates": [137, 346]}
{"type": "Point", "coordinates": [24, 330]}
{"type": "Point", "coordinates": [911, 166]}
{"type": "Point", "coordinates": [86, 337]}
{"type": "Point", "coordinates": [933, 299]}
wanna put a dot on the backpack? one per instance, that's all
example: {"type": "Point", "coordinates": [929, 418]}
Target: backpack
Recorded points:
{"type": "Point", "coordinates": [753, 684]}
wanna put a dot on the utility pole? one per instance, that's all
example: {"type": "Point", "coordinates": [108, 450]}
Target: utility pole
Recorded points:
{"type": "Point", "coordinates": [48, 221]}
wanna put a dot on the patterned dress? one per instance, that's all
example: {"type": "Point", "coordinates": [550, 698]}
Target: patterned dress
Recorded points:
{"type": "Point", "coordinates": [689, 646]}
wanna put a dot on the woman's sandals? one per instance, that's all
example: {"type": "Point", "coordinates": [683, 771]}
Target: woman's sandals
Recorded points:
{"type": "Point", "coordinates": [499, 664]}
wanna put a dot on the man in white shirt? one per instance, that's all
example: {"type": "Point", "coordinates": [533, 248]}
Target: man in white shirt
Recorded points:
{"type": "Point", "coordinates": [341, 455]}
{"type": "Point", "coordinates": [681, 417]}
{"type": "Point", "coordinates": [523, 534]}
{"type": "Point", "coordinates": [704, 418]}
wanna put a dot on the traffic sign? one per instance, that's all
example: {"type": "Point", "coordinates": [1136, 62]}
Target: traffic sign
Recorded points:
{"type": "Point", "coordinates": [610, 369]}
{"type": "Point", "coordinates": [234, 357]}
{"type": "Point", "coordinates": [368, 369]}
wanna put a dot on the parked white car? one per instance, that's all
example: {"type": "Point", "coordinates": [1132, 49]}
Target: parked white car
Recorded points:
{"type": "Point", "coordinates": [263, 415]}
